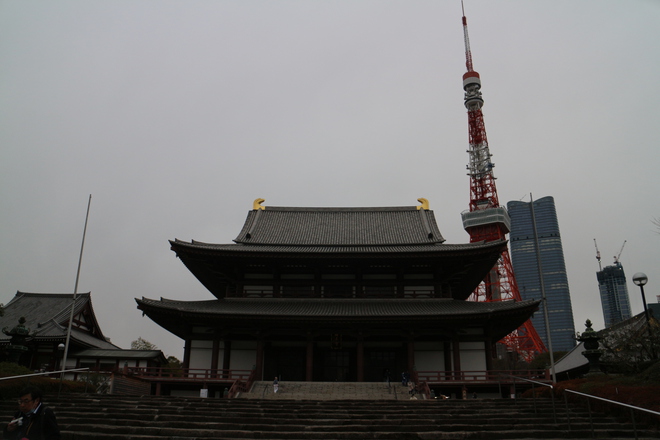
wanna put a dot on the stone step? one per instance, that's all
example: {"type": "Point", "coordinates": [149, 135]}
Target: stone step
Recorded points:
{"type": "Point", "coordinates": [327, 391]}
{"type": "Point", "coordinates": [302, 435]}
{"type": "Point", "coordinates": [324, 419]}
{"type": "Point", "coordinates": [333, 426]}
{"type": "Point", "coordinates": [89, 417]}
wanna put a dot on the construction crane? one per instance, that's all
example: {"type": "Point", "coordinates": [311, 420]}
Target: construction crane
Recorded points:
{"type": "Point", "coordinates": [617, 256]}
{"type": "Point", "coordinates": [600, 267]}
{"type": "Point", "coordinates": [486, 220]}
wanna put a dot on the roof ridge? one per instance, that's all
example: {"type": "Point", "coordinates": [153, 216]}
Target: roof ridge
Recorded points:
{"type": "Point", "coordinates": [18, 292]}
{"type": "Point", "coordinates": [340, 208]}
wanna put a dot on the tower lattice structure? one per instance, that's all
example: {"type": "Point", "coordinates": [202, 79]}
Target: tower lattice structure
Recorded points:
{"type": "Point", "coordinates": [486, 220]}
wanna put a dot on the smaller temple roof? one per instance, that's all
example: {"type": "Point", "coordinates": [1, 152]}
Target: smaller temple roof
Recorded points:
{"type": "Point", "coordinates": [47, 317]}
{"type": "Point", "coordinates": [574, 362]}
{"type": "Point", "coordinates": [383, 226]}
{"type": "Point", "coordinates": [156, 355]}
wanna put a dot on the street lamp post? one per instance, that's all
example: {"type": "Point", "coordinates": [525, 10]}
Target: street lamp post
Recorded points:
{"type": "Point", "coordinates": [60, 350]}
{"type": "Point", "coordinates": [640, 279]}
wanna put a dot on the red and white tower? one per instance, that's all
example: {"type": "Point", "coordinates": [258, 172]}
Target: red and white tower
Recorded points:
{"type": "Point", "coordinates": [486, 220]}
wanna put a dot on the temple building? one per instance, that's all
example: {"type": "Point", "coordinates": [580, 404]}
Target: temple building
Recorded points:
{"type": "Point", "coordinates": [339, 294]}
{"type": "Point", "coordinates": [40, 321]}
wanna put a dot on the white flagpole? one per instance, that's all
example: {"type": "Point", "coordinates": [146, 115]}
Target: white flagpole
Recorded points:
{"type": "Point", "coordinates": [75, 292]}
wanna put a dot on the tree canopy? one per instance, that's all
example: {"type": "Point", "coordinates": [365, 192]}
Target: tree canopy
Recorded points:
{"type": "Point", "coordinates": [142, 344]}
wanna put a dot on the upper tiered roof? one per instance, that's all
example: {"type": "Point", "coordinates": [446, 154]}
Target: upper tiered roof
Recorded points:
{"type": "Point", "coordinates": [386, 226]}
{"type": "Point", "coordinates": [315, 239]}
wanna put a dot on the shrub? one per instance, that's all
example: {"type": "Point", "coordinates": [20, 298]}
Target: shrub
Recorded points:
{"type": "Point", "coordinates": [10, 388]}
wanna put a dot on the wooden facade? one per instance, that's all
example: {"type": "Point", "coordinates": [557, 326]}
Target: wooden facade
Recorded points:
{"type": "Point", "coordinates": [338, 294]}
{"type": "Point", "coordinates": [46, 325]}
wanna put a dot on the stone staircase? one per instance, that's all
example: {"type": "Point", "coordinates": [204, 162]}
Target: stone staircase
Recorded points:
{"type": "Point", "coordinates": [328, 391]}
{"type": "Point", "coordinates": [112, 417]}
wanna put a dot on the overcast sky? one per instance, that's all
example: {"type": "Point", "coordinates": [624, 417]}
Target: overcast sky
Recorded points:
{"type": "Point", "coordinates": [176, 115]}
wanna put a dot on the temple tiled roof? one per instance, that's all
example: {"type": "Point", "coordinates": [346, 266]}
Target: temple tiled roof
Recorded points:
{"type": "Point", "coordinates": [47, 316]}
{"type": "Point", "coordinates": [499, 318]}
{"type": "Point", "coordinates": [366, 249]}
{"type": "Point", "coordinates": [386, 226]}
{"type": "Point", "coordinates": [333, 308]}
{"type": "Point", "coordinates": [156, 355]}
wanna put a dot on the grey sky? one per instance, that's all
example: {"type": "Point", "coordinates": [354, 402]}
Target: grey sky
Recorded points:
{"type": "Point", "coordinates": [176, 115]}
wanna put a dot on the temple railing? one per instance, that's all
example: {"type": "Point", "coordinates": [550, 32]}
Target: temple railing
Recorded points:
{"type": "Point", "coordinates": [307, 292]}
{"type": "Point", "coordinates": [466, 376]}
{"type": "Point", "coordinates": [241, 386]}
{"type": "Point", "coordinates": [419, 293]}
{"type": "Point", "coordinates": [188, 374]}
{"type": "Point", "coordinates": [201, 374]}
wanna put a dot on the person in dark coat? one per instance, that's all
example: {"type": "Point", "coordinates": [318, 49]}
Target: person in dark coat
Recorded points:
{"type": "Point", "coordinates": [33, 420]}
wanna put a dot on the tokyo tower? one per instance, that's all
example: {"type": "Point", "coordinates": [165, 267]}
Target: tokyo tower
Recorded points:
{"type": "Point", "coordinates": [486, 220]}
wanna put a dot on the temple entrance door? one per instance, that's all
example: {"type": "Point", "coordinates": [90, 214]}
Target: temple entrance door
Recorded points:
{"type": "Point", "coordinates": [288, 363]}
{"type": "Point", "coordinates": [379, 363]}
{"type": "Point", "coordinates": [337, 366]}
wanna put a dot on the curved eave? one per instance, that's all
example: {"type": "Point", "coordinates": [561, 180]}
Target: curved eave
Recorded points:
{"type": "Point", "coordinates": [198, 247]}
{"type": "Point", "coordinates": [464, 265]}
{"type": "Point", "coordinates": [499, 317]}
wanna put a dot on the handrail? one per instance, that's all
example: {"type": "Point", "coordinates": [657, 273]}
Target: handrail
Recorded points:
{"type": "Point", "coordinates": [611, 402]}
{"type": "Point", "coordinates": [45, 373]}
{"type": "Point", "coordinates": [241, 386]}
{"type": "Point", "coordinates": [528, 380]}
{"type": "Point", "coordinates": [552, 391]}
{"type": "Point", "coordinates": [588, 396]}
{"type": "Point", "coordinates": [446, 376]}
{"type": "Point", "coordinates": [615, 402]}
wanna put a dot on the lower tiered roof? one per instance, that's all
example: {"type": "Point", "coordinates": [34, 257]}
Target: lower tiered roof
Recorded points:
{"type": "Point", "coordinates": [179, 316]}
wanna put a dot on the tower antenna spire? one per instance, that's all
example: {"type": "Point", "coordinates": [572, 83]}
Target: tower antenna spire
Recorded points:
{"type": "Point", "coordinates": [466, 39]}
{"type": "Point", "coordinates": [486, 220]}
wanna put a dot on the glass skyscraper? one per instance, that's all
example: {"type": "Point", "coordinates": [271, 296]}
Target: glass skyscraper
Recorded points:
{"type": "Point", "coordinates": [526, 268]}
{"type": "Point", "coordinates": [613, 294]}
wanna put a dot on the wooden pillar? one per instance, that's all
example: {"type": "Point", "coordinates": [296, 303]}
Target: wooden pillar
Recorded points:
{"type": "Point", "coordinates": [318, 283]}
{"type": "Point", "coordinates": [226, 356]}
{"type": "Point", "coordinates": [411, 354]}
{"type": "Point", "coordinates": [186, 353]}
{"type": "Point", "coordinates": [446, 351]}
{"type": "Point", "coordinates": [456, 349]}
{"type": "Point", "coordinates": [488, 346]}
{"type": "Point", "coordinates": [360, 359]}
{"type": "Point", "coordinates": [215, 352]}
{"type": "Point", "coordinates": [259, 366]}
{"type": "Point", "coordinates": [309, 367]}
{"type": "Point", "coordinates": [277, 284]}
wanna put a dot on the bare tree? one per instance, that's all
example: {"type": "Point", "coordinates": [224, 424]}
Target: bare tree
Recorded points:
{"type": "Point", "coordinates": [631, 349]}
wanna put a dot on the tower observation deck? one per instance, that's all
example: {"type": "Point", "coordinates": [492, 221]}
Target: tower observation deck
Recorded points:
{"type": "Point", "coordinates": [486, 220]}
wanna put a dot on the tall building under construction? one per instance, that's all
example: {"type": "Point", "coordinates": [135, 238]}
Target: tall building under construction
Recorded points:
{"type": "Point", "coordinates": [613, 294]}
{"type": "Point", "coordinates": [525, 255]}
